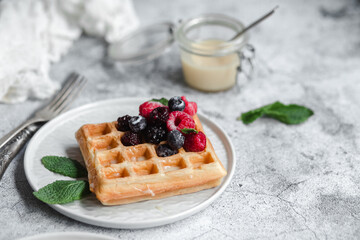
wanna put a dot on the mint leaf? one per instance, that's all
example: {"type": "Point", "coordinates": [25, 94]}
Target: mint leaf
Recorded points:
{"type": "Point", "coordinates": [288, 114]}
{"type": "Point", "coordinates": [189, 130]}
{"type": "Point", "coordinates": [251, 116]}
{"type": "Point", "coordinates": [64, 166]}
{"type": "Point", "coordinates": [60, 192]}
{"type": "Point", "coordinates": [163, 101]}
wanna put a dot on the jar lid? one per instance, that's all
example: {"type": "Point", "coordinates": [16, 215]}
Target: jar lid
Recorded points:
{"type": "Point", "coordinates": [143, 44]}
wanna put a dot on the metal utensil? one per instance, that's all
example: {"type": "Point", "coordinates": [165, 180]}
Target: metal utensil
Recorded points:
{"type": "Point", "coordinates": [254, 23]}
{"type": "Point", "coordinates": [13, 142]}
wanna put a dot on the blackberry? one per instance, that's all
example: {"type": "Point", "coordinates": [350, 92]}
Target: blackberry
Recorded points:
{"type": "Point", "coordinates": [131, 139]}
{"type": "Point", "coordinates": [164, 150]}
{"type": "Point", "coordinates": [175, 139]}
{"type": "Point", "coordinates": [123, 123]}
{"type": "Point", "coordinates": [137, 123]}
{"type": "Point", "coordinates": [159, 116]}
{"type": "Point", "coordinates": [155, 134]}
{"type": "Point", "coordinates": [176, 104]}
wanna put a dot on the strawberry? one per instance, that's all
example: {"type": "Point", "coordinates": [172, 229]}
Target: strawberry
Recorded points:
{"type": "Point", "coordinates": [146, 108]}
{"type": "Point", "coordinates": [179, 120]}
{"type": "Point", "coordinates": [190, 107]}
{"type": "Point", "coordinates": [195, 142]}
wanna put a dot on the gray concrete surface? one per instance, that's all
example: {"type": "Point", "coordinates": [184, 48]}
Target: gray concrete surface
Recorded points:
{"type": "Point", "coordinates": [291, 182]}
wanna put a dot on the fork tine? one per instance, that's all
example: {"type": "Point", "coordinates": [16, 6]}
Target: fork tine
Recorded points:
{"type": "Point", "coordinates": [68, 100]}
{"type": "Point", "coordinates": [73, 85]}
{"type": "Point", "coordinates": [71, 95]}
{"type": "Point", "coordinates": [68, 84]}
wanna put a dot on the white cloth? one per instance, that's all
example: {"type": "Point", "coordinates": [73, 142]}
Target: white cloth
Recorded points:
{"type": "Point", "coordinates": [34, 33]}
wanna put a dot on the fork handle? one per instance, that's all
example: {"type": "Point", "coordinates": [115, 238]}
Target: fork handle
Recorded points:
{"type": "Point", "coordinates": [13, 142]}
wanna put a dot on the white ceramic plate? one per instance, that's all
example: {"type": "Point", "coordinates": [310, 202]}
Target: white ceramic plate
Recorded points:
{"type": "Point", "coordinates": [68, 236]}
{"type": "Point", "coordinates": [57, 137]}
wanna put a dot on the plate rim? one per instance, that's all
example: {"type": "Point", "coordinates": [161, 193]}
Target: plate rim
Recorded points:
{"type": "Point", "coordinates": [145, 223]}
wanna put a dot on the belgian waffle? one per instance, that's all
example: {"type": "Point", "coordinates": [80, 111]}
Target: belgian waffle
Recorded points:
{"type": "Point", "coordinates": [121, 174]}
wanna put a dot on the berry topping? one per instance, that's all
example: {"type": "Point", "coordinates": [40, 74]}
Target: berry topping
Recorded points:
{"type": "Point", "coordinates": [179, 120]}
{"type": "Point", "coordinates": [195, 142]}
{"type": "Point", "coordinates": [176, 104]}
{"type": "Point", "coordinates": [123, 123]}
{"type": "Point", "coordinates": [190, 107]}
{"type": "Point", "coordinates": [137, 123]}
{"type": "Point", "coordinates": [131, 139]}
{"type": "Point", "coordinates": [164, 150]}
{"type": "Point", "coordinates": [155, 134]}
{"type": "Point", "coordinates": [146, 108]}
{"type": "Point", "coordinates": [175, 139]}
{"type": "Point", "coordinates": [159, 116]}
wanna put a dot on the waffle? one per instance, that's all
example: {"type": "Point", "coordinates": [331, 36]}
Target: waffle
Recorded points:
{"type": "Point", "coordinates": [121, 174]}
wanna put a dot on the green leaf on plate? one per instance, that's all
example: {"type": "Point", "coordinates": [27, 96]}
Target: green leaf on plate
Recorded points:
{"type": "Point", "coordinates": [64, 166]}
{"type": "Point", "coordinates": [163, 101]}
{"type": "Point", "coordinates": [60, 192]}
{"type": "Point", "coordinates": [289, 114]}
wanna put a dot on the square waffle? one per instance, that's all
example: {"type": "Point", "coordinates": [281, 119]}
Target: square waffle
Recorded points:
{"type": "Point", "coordinates": [121, 174]}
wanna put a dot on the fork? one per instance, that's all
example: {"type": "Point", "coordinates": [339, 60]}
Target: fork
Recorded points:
{"type": "Point", "coordinates": [13, 142]}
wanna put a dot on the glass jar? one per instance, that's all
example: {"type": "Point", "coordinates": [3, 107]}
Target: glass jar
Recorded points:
{"type": "Point", "coordinates": [210, 60]}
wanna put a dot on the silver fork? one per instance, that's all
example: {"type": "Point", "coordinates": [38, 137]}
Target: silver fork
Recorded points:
{"type": "Point", "coordinates": [13, 142]}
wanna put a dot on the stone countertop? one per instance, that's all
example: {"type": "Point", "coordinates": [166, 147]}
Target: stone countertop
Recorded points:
{"type": "Point", "coordinates": [291, 182]}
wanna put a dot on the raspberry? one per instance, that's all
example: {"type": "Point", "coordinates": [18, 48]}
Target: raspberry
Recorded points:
{"type": "Point", "coordinates": [190, 107]}
{"type": "Point", "coordinates": [146, 108]}
{"type": "Point", "coordinates": [155, 134]}
{"type": "Point", "coordinates": [195, 142]}
{"type": "Point", "coordinates": [179, 120]}
{"type": "Point", "coordinates": [123, 123]}
{"type": "Point", "coordinates": [164, 150]}
{"type": "Point", "coordinates": [159, 116]}
{"type": "Point", "coordinates": [131, 139]}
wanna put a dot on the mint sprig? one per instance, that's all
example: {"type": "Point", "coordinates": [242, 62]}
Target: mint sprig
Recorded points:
{"type": "Point", "coordinates": [64, 166]}
{"type": "Point", "coordinates": [288, 114]}
{"type": "Point", "coordinates": [189, 130]}
{"type": "Point", "coordinates": [60, 192]}
{"type": "Point", "coordinates": [163, 101]}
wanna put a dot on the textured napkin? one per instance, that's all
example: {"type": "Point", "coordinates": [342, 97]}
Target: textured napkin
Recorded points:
{"type": "Point", "coordinates": [34, 33]}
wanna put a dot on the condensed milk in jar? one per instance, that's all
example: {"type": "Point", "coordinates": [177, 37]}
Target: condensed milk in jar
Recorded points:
{"type": "Point", "coordinates": [210, 60]}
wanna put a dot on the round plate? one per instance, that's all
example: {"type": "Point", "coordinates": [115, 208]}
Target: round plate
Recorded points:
{"type": "Point", "coordinates": [67, 236]}
{"type": "Point", "coordinates": [57, 137]}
